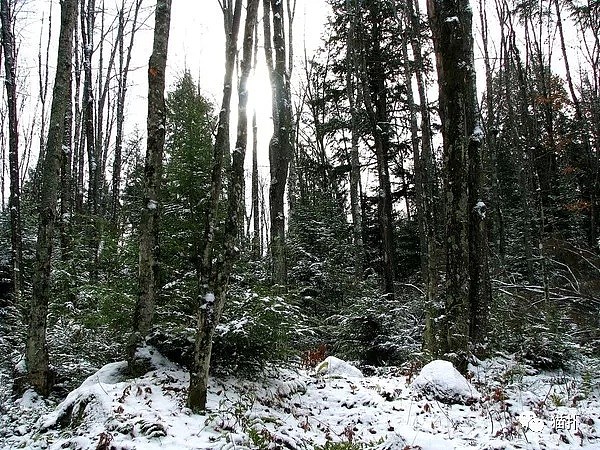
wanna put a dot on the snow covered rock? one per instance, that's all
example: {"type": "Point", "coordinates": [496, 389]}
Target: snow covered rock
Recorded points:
{"type": "Point", "coordinates": [90, 399]}
{"type": "Point", "coordinates": [336, 367]}
{"type": "Point", "coordinates": [442, 381]}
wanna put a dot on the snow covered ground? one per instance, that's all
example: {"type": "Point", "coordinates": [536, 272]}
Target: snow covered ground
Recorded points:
{"type": "Point", "coordinates": [517, 408]}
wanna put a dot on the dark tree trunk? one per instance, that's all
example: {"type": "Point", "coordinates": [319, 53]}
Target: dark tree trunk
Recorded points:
{"type": "Point", "coordinates": [10, 81]}
{"type": "Point", "coordinates": [256, 241]}
{"type": "Point", "coordinates": [375, 100]}
{"type": "Point", "coordinates": [66, 189]}
{"type": "Point", "coordinates": [426, 164]}
{"type": "Point", "coordinates": [451, 23]}
{"type": "Point", "coordinates": [352, 65]}
{"type": "Point", "coordinates": [36, 348]}
{"type": "Point", "coordinates": [280, 147]}
{"type": "Point", "coordinates": [144, 310]}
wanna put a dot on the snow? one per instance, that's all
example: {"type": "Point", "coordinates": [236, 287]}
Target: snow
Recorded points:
{"type": "Point", "coordinates": [477, 135]}
{"type": "Point", "coordinates": [152, 204]}
{"type": "Point", "coordinates": [480, 209]}
{"type": "Point", "coordinates": [452, 19]}
{"type": "Point", "coordinates": [441, 380]}
{"type": "Point", "coordinates": [336, 367]}
{"type": "Point", "coordinates": [296, 409]}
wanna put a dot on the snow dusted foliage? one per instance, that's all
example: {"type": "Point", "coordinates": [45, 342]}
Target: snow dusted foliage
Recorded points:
{"type": "Point", "coordinates": [443, 382]}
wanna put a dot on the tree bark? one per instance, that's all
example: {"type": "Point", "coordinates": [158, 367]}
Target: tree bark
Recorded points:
{"type": "Point", "coordinates": [36, 348]}
{"type": "Point", "coordinates": [212, 280]}
{"type": "Point", "coordinates": [451, 23]}
{"type": "Point", "coordinates": [280, 147]}
{"type": "Point", "coordinates": [10, 81]}
{"type": "Point", "coordinates": [148, 264]}
{"type": "Point", "coordinates": [352, 65]}
{"type": "Point", "coordinates": [374, 96]}
{"type": "Point", "coordinates": [210, 309]}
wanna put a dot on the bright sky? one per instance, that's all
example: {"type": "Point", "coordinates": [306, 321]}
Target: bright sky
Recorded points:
{"type": "Point", "coordinates": [196, 42]}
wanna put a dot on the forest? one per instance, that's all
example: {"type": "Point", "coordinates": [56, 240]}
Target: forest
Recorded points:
{"type": "Point", "coordinates": [411, 261]}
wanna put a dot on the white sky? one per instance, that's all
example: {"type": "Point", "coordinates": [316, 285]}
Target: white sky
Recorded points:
{"type": "Point", "coordinates": [196, 43]}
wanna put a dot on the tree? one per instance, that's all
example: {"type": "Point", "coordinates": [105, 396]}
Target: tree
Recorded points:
{"type": "Point", "coordinates": [10, 72]}
{"type": "Point", "coordinates": [145, 305]}
{"type": "Point", "coordinates": [36, 348]}
{"type": "Point", "coordinates": [212, 280]}
{"type": "Point", "coordinates": [451, 23]}
{"type": "Point", "coordinates": [351, 91]}
{"type": "Point", "coordinates": [123, 72]}
{"type": "Point", "coordinates": [280, 147]}
{"type": "Point", "coordinates": [375, 98]}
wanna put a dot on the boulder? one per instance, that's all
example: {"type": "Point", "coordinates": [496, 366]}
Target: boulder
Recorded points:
{"type": "Point", "coordinates": [440, 380]}
{"type": "Point", "coordinates": [336, 367]}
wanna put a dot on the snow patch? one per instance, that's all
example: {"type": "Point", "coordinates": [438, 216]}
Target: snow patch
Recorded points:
{"type": "Point", "coordinates": [477, 135]}
{"type": "Point", "coordinates": [480, 209]}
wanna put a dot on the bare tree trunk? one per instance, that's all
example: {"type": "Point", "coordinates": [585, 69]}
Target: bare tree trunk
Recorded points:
{"type": "Point", "coordinates": [211, 281]}
{"type": "Point", "coordinates": [124, 62]}
{"type": "Point", "coordinates": [36, 349]}
{"type": "Point", "coordinates": [66, 189]}
{"type": "Point", "coordinates": [43, 92]}
{"type": "Point", "coordinates": [352, 65]}
{"type": "Point", "coordinates": [10, 81]}
{"type": "Point", "coordinates": [280, 146]}
{"type": "Point", "coordinates": [231, 21]}
{"type": "Point", "coordinates": [87, 40]}
{"type": "Point", "coordinates": [426, 164]}
{"type": "Point", "coordinates": [210, 309]}
{"type": "Point", "coordinates": [79, 141]}
{"type": "Point", "coordinates": [144, 310]}
{"type": "Point", "coordinates": [256, 240]}
{"type": "Point", "coordinates": [451, 24]}
{"type": "Point", "coordinates": [374, 96]}
{"type": "Point", "coordinates": [418, 170]}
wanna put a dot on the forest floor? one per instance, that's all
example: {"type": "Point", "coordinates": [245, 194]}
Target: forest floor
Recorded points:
{"type": "Point", "coordinates": [519, 408]}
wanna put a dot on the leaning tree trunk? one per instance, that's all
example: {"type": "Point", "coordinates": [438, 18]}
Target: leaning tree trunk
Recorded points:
{"type": "Point", "coordinates": [36, 348]}
{"type": "Point", "coordinates": [144, 310]}
{"type": "Point", "coordinates": [451, 24]}
{"type": "Point", "coordinates": [212, 280]}
{"type": "Point", "coordinates": [10, 81]}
